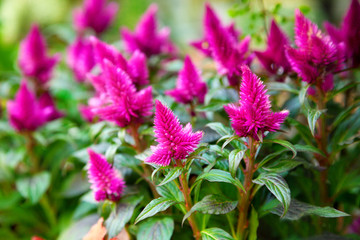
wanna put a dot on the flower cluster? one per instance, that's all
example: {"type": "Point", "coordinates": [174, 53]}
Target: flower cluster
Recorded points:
{"type": "Point", "coordinates": [253, 116]}
{"type": "Point", "coordinates": [175, 142]}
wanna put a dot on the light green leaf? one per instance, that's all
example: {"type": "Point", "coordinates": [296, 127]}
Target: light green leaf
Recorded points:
{"type": "Point", "coordinates": [279, 86]}
{"type": "Point", "coordinates": [235, 158]}
{"type": "Point", "coordinates": [212, 204]}
{"type": "Point", "coordinates": [34, 187]}
{"type": "Point", "coordinates": [156, 229]}
{"type": "Point", "coordinates": [312, 117]}
{"type": "Point", "coordinates": [215, 234]}
{"type": "Point", "coordinates": [155, 206]}
{"type": "Point", "coordinates": [219, 128]}
{"type": "Point", "coordinates": [171, 175]}
{"type": "Point", "coordinates": [170, 190]}
{"type": "Point", "coordinates": [277, 186]}
{"type": "Point", "coordinates": [284, 143]}
{"type": "Point", "coordinates": [254, 224]}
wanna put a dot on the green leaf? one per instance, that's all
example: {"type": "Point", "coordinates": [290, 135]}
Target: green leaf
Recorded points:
{"type": "Point", "coordinates": [284, 143]}
{"type": "Point", "coordinates": [302, 94]}
{"type": "Point", "coordinates": [308, 148]}
{"type": "Point", "coordinates": [216, 175]}
{"type": "Point", "coordinates": [124, 211]}
{"type": "Point", "coordinates": [299, 209]}
{"type": "Point", "coordinates": [155, 206]}
{"type": "Point", "coordinates": [277, 186]}
{"type": "Point", "coordinates": [254, 224]}
{"type": "Point", "coordinates": [215, 234]}
{"type": "Point", "coordinates": [155, 229]}
{"type": "Point", "coordinates": [34, 187]}
{"type": "Point", "coordinates": [282, 166]}
{"type": "Point", "coordinates": [110, 153]}
{"type": "Point", "coordinates": [213, 106]}
{"type": "Point", "coordinates": [270, 157]}
{"type": "Point", "coordinates": [171, 175]}
{"type": "Point", "coordinates": [312, 117]}
{"type": "Point", "coordinates": [344, 115]}
{"type": "Point", "coordinates": [235, 157]}
{"type": "Point", "coordinates": [303, 130]}
{"type": "Point", "coordinates": [170, 190]}
{"type": "Point", "coordinates": [212, 204]}
{"type": "Point", "coordinates": [279, 86]}
{"type": "Point", "coordinates": [229, 140]}
{"type": "Point", "coordinates": [219, 128]}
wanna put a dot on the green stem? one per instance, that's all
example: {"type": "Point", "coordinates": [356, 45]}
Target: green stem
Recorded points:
{"type": "Point", "coordinates": [30, 146]}
{"type": "Point", "coordinates": [246, 197]}
{"type": "Point", "coordinates": [48, 210]}
{"type": "Point", "coordinates": [232, 229]}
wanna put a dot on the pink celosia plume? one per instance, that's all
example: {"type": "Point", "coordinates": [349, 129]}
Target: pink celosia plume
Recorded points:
{"type": "Point", "coordinates": [189, 85]}
{"type": "Point", "coordinates": [33, 60]}
{"type": "Point", "coordinates": [175, 142]}
{"type": "Point", "coordinates": [105, 181]}
{"type": "Point", "coordinates": [253, 115]}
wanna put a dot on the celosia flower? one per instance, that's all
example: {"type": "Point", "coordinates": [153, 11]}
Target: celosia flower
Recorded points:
{"type": "Point", "coordinates": [175, 142]}
{"type": "Point", "coordinates": [317, 55]}
{"type": "Point", "coordinates": [123, 104]}
{"type": "Point", "coordinates": [80, 58]}
{"type": "Point", "coordinates": [253, 116]}
{"type": "Point", "coordinates": [87, 112]}
{"type": "Point", "coordinates": [25, 113]}
{"type": "Point", "coordinates": [228, 53]}
{"type": "Point", "coordinates": [349, 33]}
{"type": "Point", "coordinates": [95, 14]}
{"type": "Point", "coordinates": [105, 181]}
{"type": "Point", "coordinates": [189, 85]}
{"type": "Point", "coordinates": [146, 37]}
{"type": "Point", "coordinates": [274, 58]}
{"type": "Point", "coordinates": [48, 107]}
{"type": "Point", "coordinates": [136, 67]}
{"type": "Point", "coordinates": [33, 60]}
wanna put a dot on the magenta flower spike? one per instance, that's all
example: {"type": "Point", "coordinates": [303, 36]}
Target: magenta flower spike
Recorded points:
{"type": "Point", "coordinates": [274, 59]}
{"type": "Point", "coordinates": [228, 53]}
{"type": "Point", "coordinates": [33, 61]}
{"type": "Point", "coordinates": [253, 115]}
{"type": "Point", "coordinates": [317, 56]}
{"type": "Point", "coordinates": [80, 58]}
{"type": "Point", "coordinates": [175, 142]}
{"type": "Point", "coordinates": [122, 103]}
{"type": "Point", "coordinates": [95, 14]}
{"type": "Point", "coordinates": [146, 37]}
{"type": "Point", "coordinates": [349, 33]}
{"type": "Point", "coordinates": [25, 113]}
{"type": "Point", "coordinates": [105, 181]}
{"type": "Point", "coordinates": [189, 85]}
{"type": "Point", "coordinates": [46, 103]}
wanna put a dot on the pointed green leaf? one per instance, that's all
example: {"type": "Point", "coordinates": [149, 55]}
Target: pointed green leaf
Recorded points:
{"type": "Point", "coordinates": [155, 206]}
{"type": "Point", "coordinates": [308, 148]}
{"type": "Point", "coordinates": [279, 86]}
{"type": "Point", "coordinates": [33, 188]}
{"type": "Point", "coordinates": [235, 158]}
{"type": "Point", "coordinates": [171, 175]}
{"type": "Point", "coordinates": [254, 224]}
{"type": "Point", "coordinates": [312, 117]}
{"type": "Point", "coordinates": [282, 166]}
{"type": "Point", "coordinates": [277, 186]}
{"type": "Point", "coordinates": [170, 190]}
{"type": "Point", "coordinates": [215, 234]}
{"type": "Point", "coordinates": [156, 229]}
{"type": "Point", "coordinates": [219, 128]}
{"type": "Point", "coordinates": [284, 143]}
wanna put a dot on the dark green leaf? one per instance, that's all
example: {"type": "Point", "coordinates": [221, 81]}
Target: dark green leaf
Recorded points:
{"type": "Point", "coordinates": [284, 143]}
{"type": "Point", "coordinates": [34, 187]}
{"type": "Point", "coordinates": [171, 175]}
{"type": "Point", "coordinates": [277, 186]}
{"type": "Point", "coordinates": [215, 234]}
{"type": "Point", "coordinates": [170, 190]}
{"type": "Point", "coordinates": [307, 148]}
{"type": "Point", "coordinates": [155, 206]}
{"type": "Point", "coordinates": [303, 130]}
{"type": "Point", "coordinates": [213, 204]}
{"type": "Point", "coordinates": [156, 229]}
{"type": "Point", "coordinates": [254, 224]}
{"type": "Point", "coordinates": [282, 166]}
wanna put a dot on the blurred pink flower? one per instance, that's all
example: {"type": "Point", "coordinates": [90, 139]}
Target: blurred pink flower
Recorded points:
{"type": "Point", "coordinates": [95, 14]}
{"type": "Point", "coordinates": [80, 58]}
{"type": "Point", "coordinates": [33, 61]}
{"type": "Point", "coordinates": [146, 37]}
{"type": "Point", "coordinates": [274, 59]}
{"type": "Point", "coordinates": [316, 56]}
{"type": "Point", "coordinates": [253, 115]}
{"type": "Point", "coordinates": [175, 142]}
{"type": "Point", "coordinates": [105, 181]}
{"type": "Point", "coordinates": [189, 85]}
{"type": "Point", "coordinates": [229, 54]}
{"type": "Point", "coordinates": [26, 113]}
{"type": "Point", "coordinates": [122, 103]}
{"type": "Point", "coordinates": [349, 33]}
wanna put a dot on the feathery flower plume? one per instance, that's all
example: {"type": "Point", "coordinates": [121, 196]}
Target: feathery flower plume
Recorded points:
{"type": "Point", "coordinates": [228, 53]}
{"type": "Point", "coordinates": [189, 85]}
{"type": "Point", "coordinates": [146, 37]}
{"type": "Point", "coordinates": [26, 113]}
{"type": "Point", "coordinates": [175, 142]}
{"type": "Point", "coordinates": [274, 59]}
{"type": "Point", "coordinates": [316, 56]}
{"type": "Point", "coordinates": [122, 103]}
{"type": "Point", "coordinates": [253, 115]}
{"type": "Point", "coordinates": [104, 179]}
{"type": "Point", "coordinates": [135, 67]}
{"type": "Point", "coordinates": [95, 14]}
{"type": "Point", "coordinates": [349, 33]}
{"type": "Point", "coordinates": [33, 60]}
{"type": "Point", "coordinates": [80, 58]}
